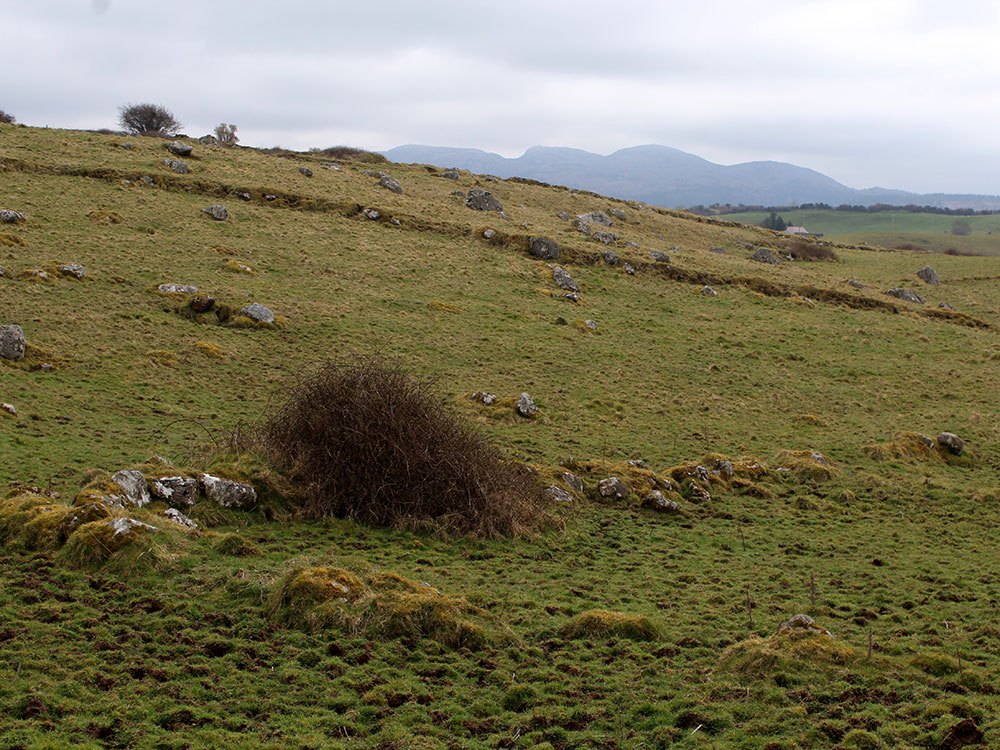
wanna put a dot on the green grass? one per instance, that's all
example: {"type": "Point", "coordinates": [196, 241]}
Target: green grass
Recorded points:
{"type": "Point", "coordinates": [190, 650]}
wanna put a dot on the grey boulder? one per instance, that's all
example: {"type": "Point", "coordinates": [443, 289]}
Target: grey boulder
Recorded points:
{"type": "Point", "coordinates": [610, 257]}
{"type": "Point", "coordinates": [72, 269]}
{"type": "Point", "coordinates": [558, 494]}
{"type": "Point", "coordinates": [659, 257]}
{"type": "Point", "coordinates": [179, 149]}
{"type": "Point", "coordinates": [564, 280]}
{"type": "Point", "coordinates": [175, 491]}
{"type": "Point", "coordinates": [907, 295]}
{"type": "Point", "coordinates": [928, 275]}
{"type": "Point", "coordinates": [483, 200]}
{"type": "Point", "coordinates": [594, 217]}
{"type": "Point", "coordinates": [574, 482]}
{"type": "Point", "coordinates": [256, 311]}
{"type": "Point", "coordinates": [227, 493]}
{"type": "Point", "coordinates": [11, 217]}
{"type": "Point", "coordinates": [306, 171]}
{"type": "Point", "coordinates": [765, 255]}
{"type": "Point", "coordinates": [180, 167]}
{"type": "Point", "coordinates": [219, 213]}
{"type": "Point", "coordinates": [617, 213]}
{"type": "Point", "coordinates": [12, 342]}
{"type": "Point", "coordinates": [606, 237]}
{"type": "Point", "coordinates": [390, 184]}
{"type": "Point", "coordinates": [525, 406]}
{"type": "Point", "coordinates": [612, 487]}
{"type": "Point", "coordinates": [951, 442]}
{"type": "Point", "coordinates": [179, 518]}
{"type": "Point", "coordinates": [177, 289]}
{"type": "Point", "coordinates": [543, 248]}
{"type": "Point", "coordinates": [133, 486]}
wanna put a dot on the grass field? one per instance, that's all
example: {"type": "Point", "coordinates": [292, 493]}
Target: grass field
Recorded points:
{"type": "Point", "coordinates": [192, 644]}
{"type": "Point", "coordinates": [931, 232]}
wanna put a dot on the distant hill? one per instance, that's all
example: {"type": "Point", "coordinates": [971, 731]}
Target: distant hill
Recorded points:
{"type": "Point", "coordinates": [666, 176]}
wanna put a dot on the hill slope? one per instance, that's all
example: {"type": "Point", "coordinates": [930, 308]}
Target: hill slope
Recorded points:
{"type": "Point", "coordinates": [630, 627]}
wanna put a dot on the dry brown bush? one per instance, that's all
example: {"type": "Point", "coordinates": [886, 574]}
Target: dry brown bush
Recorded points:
{"type": "Point", "coordinates": [368, 441]}
{"type": "Point", "coordinates": [802, 250]}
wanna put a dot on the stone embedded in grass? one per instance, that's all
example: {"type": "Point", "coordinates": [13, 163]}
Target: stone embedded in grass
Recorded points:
{"type": "Point", "coordinates": [708, 291]}
{"type": "Point", "coordinates": [558, 494]}
{"type": "Point", "coordinates": [202, 304]}
{"type": "Point", "coordinates": [951, 443]}
{"type": "Point", "coordinates": [11, 217]}
{"type": "Point", "coordinates": [9, 408]}
{"type": "Point", "coordinates": [483, 397]}
{"type": "Point", "coordinates": [563, 215]}
{"type": "Point", "coordinates": [133, 486]}
{"type": "Point", "coordinates": [946, 306]}
{"type": "Point", "coordinates": [451, 174]}
{"type": "Point", "coordinates": [629, 269]}
{"type": "Point", "coordinates": [590, 324]}
{"type": "Point", "coordinates": [717, 250]}
{"type": "Point", "coordinates": [483, 200]}
{"type": "Point", "coordinates": [543, 248]}
{"type": "Point", "coordinates": [610, 257]}
{"type": "Point", "coordinates": [584, 229]}
{"type": "Point", "coordinates": [176, 491]}
{"type": "Point", "coordinates": [125, 526]}
{"type": "Point", "coordinates": [698, 494]}
{"type": "Point", "coordinates": [907, 295]}
{"type": "Point", "coordinates": [148, 180]}
{"type": "Point", "coordinates": [179, 148]}
{"type": "Point", "coordinates": [219, 213]}
{"type": "Point", "coordinates": [390, 184]}
{"type": "Point", "coordinates": [270, 197]}
{"type": "Point", "coordinates": [929, 275]}
{"type": "Point", "coordinates": [802, 624]}
{"type": "Point", "coordinates": [617, 213]}
{"type": "Point", "coordinates": [526, 407]}
{"type": "Point", "coordinates": [854, 283]}
{"type": "Point", "coordinates": [176, 165]}
{"type": "Point", "coordinates": [12, 342]}
{"type": "Point", "coordinates": [208, 140]}
{"type": "Point", "coordinates": [564, 280]}
{"type": "Point", "coordinates": [612, 487]}
{"type": "Point", "coordinates": [243, 195]}
{"type": "Point", "coordinates": [371, 213]}
{"type": "Point", "coordinates": [658, 501]}
{"type": "Point", "coordinates": [305, 171]}
{"type": "Point", "coordinates": [72, 269]}
{"type": "Point", "coordinates": [257, 312]}
{"type": "Point", "coordinates": [489, 234]}
{"type": "Point", "coordinates": [177, 289]}
{"type": "Point", "coordinates": [594, 217]}
{"type": "Point", "coordinates": [573, 481]}
{"type": "Point", "coordinates": [765, 255]}
{"type": "Point", "coordinates": [659, 257]}
{"type": "Point", "coordinates": [227, 493]}
{"type": "Point", "coordinates": [177, 517]}
{"type": "Point", "coordinates": [125, 145]}
{"type": "Point", "coordinates": [607, 238]}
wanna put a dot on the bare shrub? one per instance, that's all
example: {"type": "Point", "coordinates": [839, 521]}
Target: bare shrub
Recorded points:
{"type": "Point", "coordinates": [349, 153]}
{"type": "Point", "coordinates": [802, 250]}
{"type": "Point", "coordinates": [961, 228]}
{"type": "Point", "coordinates": [148, 119]}
{"type": "Point", "coordinates": [7, 118]}
{"type": "Point", "coordinates": [368, 441]}
{"type": "Point", "coordinates": [967, 253]}
{"type": "Point", "coordinates": [226, 134]}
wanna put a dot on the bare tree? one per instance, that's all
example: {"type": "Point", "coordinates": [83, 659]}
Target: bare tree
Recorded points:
{"type": "Point", "coordinates": [4, 117]}
{"type": "Point", "coordinates": [226, 134]}
{"type": "Point", "coordinates": [961, 227]}
{"type": "Point", "coordinates": [148, 119]}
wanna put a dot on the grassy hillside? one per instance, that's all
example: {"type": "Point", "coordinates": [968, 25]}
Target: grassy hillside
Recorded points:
{"type": "Point", "coordinates": [199, 644]}
{"type": "Point", "coordinates": [931, 232]}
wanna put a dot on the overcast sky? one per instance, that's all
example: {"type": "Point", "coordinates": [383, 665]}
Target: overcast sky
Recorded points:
{"type": "Point", "coordinates": [889, 93]}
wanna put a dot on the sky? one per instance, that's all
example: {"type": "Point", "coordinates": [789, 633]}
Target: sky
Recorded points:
{"type": "Point", "coordinates": [888, 93]}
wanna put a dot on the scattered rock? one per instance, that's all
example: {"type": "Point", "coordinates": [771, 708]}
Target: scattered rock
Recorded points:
{"type": "Point", "coordinates": [563, 215]}
{"type": "Point", "coordinates": [594, 217]}
{"type": "Point", "coordinates": [629, 269]}
{"type": "Point", "coordinates": [395, 222]}
{"type": "Point", "coordinates": [370, 173]}
{"type": "Point", "coordinates": [177, 289]}
{"type": "Point", "coordinates": [617, 213]}
{"type": "Point", "coordinates": [572, 297]}
{"type": "Point", "coordinates": [945, 305]}
{"type": "Point", "coordinates": [11, 217]}
{"type": "Point", "coordinates": [765, 255]}
{"type": "Point", "coordinates": [564, 280]}
{"type": "Point", "coordinates": [490, 234]}
{"type": "Point", "coordinates": [558, 494]}
{"type": "Point", "coordinates": [180, 167]}
{"type": "Point", "coordinates": [128, 525]}
{"type": "Point", "coordinates": [305, 171]}
{"type": "Point", "coordinates": [574, 482]}
{"type": "Point", "coordinates": [148, 180]}
{"type": "Point", "coordinates": [525, 406]}
{"type": "Point", "coordinates": [929, 275]}
{"type": "Point", "coordinates": [707, 290]}
{"type": "Point", "coordinates": [491, 178]}
{"type": "Point", "coordinates": [951, 442]}
{"type": "Point", "coordinates": [698, 494]}
{"type": "Point", "coordinates": [372, 214]}
{"type": "Point", "coordinates": [486, 398]}
{"type": "Point", "coordinates": [133, 486]}
{"type": "Point", "coordinates": [584, 229]}
{"type": "Point", "coordinates": [12, 342]}
{"type": "Point", "coordinates": [219, 213]}
{"type": "Point", "coordinates": [3, 271]}
{"type": "Point", "coordinates": [610, 257]}
{"type": "Point", "coordinates": [543, 248]}
{"type": "Point", "coordinates": [590, 325]}
{"type": "Point", "coordinates": [929, 442]}
{"type": "Point", "coordinates": [208, 140]}
{"type": "Point", "coordinates": [72, 269]}
{"type": "Point", "coordinates": [907, 295]}
{"type": "Point", "coordinates": [9, 408]}
{"type": "Point", "coordinates": [717, 250]}
{"type": "Point", "coordinates": [390, 184]}
{"type": "Point", "coordinates": [658, 501]}
{"type": "Point", "coordinates": [855, 283]}
{"type": "Point", "coordinates": [125, 145]}
{"type": "Point", "coordinates": [633, 245]}
{"type": "Point", "coordinates": [270, 196]}
{"type": "Point", "coordinates": [243, 195]}
{"type": "Point", "coordinates": [256, 311]}
{"type": "Point", "coordinates": [802, 624]}
{"type": "Point", "coordinates": [177, 517]}
{"type": "Point", "coordinates": [612, 487]}
{"type": "Point", "coordinates": [724, 468]}
{"type": "Point", "coordinates": [176, 491]}
{"type": "Point", "coordinates": [180, 149]}
{"type": "Point", "coordinates": [483, 200]}
{"type": "Point", "coordinates": [659, 257]}
{"type": "Point", "coordinates": [227, 493]}
{"type": "Point", "coordinates": [606, 237]}
{"type": "Point", "coordinates": [451, 174]}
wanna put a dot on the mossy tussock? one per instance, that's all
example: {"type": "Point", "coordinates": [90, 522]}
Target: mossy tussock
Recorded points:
{"type": "Point", "coordinates": [381, 605]}
{"type": "Point", "coordinates": [604, 623]}
{"type": "Point", "coordinates": [912, 446]}
{"type": "Point", "coordinates": [791, 650]}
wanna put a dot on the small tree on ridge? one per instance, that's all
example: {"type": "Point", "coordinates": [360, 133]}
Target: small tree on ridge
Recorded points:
{"type": "Point", "coordinates": [226, 134]}
{"type": "Point", "coordinates": [151, 119]}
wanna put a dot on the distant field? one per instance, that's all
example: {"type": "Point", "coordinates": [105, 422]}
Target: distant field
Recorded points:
{"type": "Point", "coordinates": [892, 228]}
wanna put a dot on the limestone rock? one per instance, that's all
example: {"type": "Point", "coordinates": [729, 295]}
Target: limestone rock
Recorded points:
{"type": "Point", "coordinates": [372, 213]}
{"type": "Point", "coordinates": [306, 171]}
{"type": "Point", "coordinates": [11, 217]}
{"type": "Point", "coordinates": [483, 200]}
{"type": "Point", "coordinates": [270, 197]}
{"type": "Point", "coordinates": [564, 280]}
{"type": "Point", "coordinates": [951, 442]}
{"type": "Point", "coordinates": [658, 501]}
{"type": "Point", "coordinates": [133, 485]}
{"type": "Point", "coordinates": [176, 165]}
{"type": "Point", "coordinates": [802, 624]}
{"type": "Point", "coordinates": [907, 295]}
{"type": "Point", "coordinates": [148, 180]}
{"type": "Point", "coordinates": [177, 517]}
{"type": "Point", "coordinates": [606, 237]}
{"type": "Point", "coordinates": [633, 245]}
{"type": "Point", "coordinates": [390, 184]}
{"type": "Point", "coordinates": [724, 468]}
{"type": "Point", "coordinates": [610, 257]}
{"type": "Point", "coordinates": [584, 229]}
{"type": "Point", "coordinates": [659, 257]}
{"type": "Point", "coordinates": [202, 304]}
{"type": "Point", "coordinates": [525, 406]}
{"type": "Point", "coordinates": [72, 269]}
{"type": "Point", "coordinates": [698, 494]}
{"type": "Point", "coordinates": [708, 291]}
{"type": "Point", "coordinates": [9, 408]}
{"type": "Point", "coordinates": [125, 145]}
{"type": "Point", "coordinates": [563, 215]}
{"type": "Point", "coordinates": [543, 248]}
{"type": "Point", "coordinates": [451, 174]}
{"type": "Point", "coordinates": [177, 289]}
{"type": "Point", "coordinates": [617, 213]}
{"type": "Point", "coordinates": [176, 491]}
{"type": "Point", "coordinates": [178, 148]}
{"type": "Point", "coordinates": [945, 305]}
{"type": "Point", "coordinates": [572, 297]}
{"type": "Point", "coordinates": [227, 493]}
{"type": "Point", "coordinates": [612, 487]}
{"type": "Point", "coordinates": [12, 342]}
{"type": "Point", "coordinates": [929, 275]}
{"type": "Point", "coordinates": [128, 525]}
{"type": "Point", "coordinates": [573, 481]}
{"type": "Point", "coordinates": [717, 250]}
{"type": "Point", "coordinates": [594, 217]}
{"type": "Point", "coordinates": [243, 195]}
{"type": "Point", "coordinates": [257, 311]}
{"type": "Point", "coordinates": [219, 213]}
{"type": "Point", "coordinates": [485, 398]}
{"type": "Point", "coordinates": [629, 269]}
{"type": "Point", "coordinates": [855, 283]}
{"type": "Point", "coordinates": [590, 324]}
{"type": "Point", "coordinates": [489, 234]}
{"type": "Point", "coordinates": [558, 494]}
{"type": "Point", "coordinates": [765, 255]}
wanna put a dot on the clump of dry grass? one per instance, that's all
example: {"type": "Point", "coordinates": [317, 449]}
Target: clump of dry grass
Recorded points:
{"type": "Point", "coordinates": [807, 465]}
{"type": "Point", "coordinates": [806, 250]}
{"type": "Point", "coordinates": [912, 446]}
{"type": "Point", "coordinates": [786, 650]}
{"type": "Point", "coordinates": [368, 441]}
{"type": "Point", "coordinates": [604, 623]}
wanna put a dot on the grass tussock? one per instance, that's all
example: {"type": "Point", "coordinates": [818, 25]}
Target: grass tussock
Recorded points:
{"type": "Point", "coordinates": [605, 623]}
{"type": "Point", "coordinates": [31, 521]}
{"type": "Point", "coordinates": [235, 545]}
{"type": "Point", "coordinates": [639, 479]}
{"type": "Point", "coordinates": [105, 217]}
{"type": "Point", "coordinates": [806, 466]}
{"type": "Point", "coordinates": [810, 251]}
{"type": "Point", "coordinates": [381, 605]}
{"type": "Point", "coordinates": [786, 651]}
{"type": "Point", "coordinates": [210, 350]}
{"type": "Point", "coordinates": [912, 446]}
{"type": "Point", "coordinates": [11, 240]}
{"type": "Point", "coordinates": [350, 153]}
{"type": "Point", "coordinates": [370, 442]}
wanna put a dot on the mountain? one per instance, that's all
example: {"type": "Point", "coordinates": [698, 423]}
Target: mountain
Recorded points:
{"type": "Point", "coordinates": [666, 176]}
